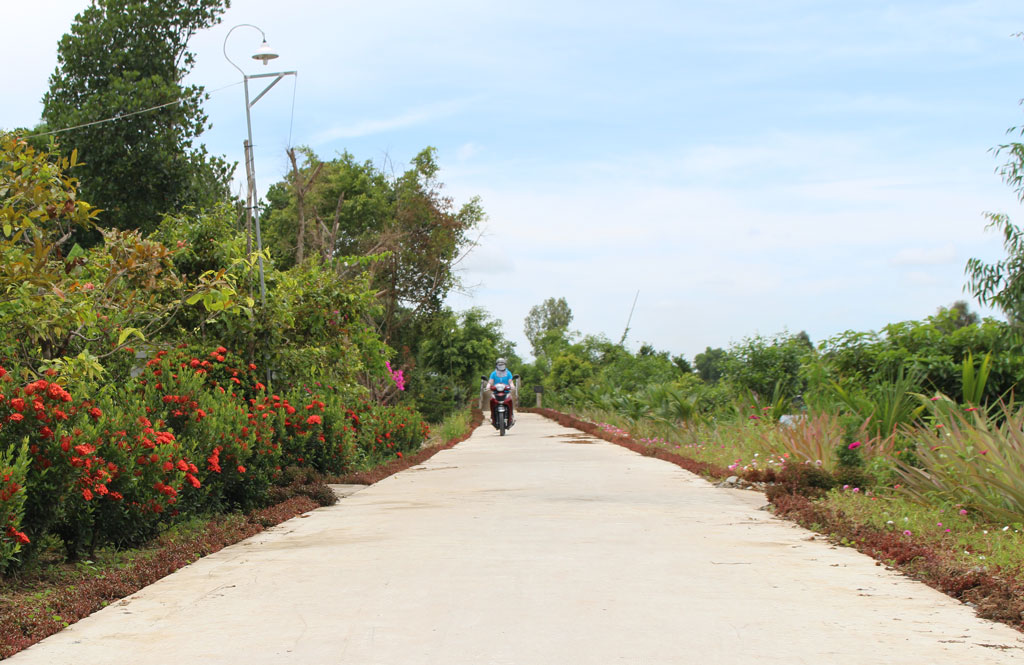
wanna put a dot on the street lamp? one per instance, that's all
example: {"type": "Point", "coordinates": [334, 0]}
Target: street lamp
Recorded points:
{"type": "Point", "coordinates": [264, 54]}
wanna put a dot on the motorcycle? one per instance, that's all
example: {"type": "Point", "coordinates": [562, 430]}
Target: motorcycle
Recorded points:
{"type": "Point", "coordinates": [501, 403]}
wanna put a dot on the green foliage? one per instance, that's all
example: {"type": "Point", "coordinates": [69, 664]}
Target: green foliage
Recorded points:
{"type": "Point", "coordinates": [39, 210]}
{"type": "Point", "coordinates": [125, 56]}
{"type": "Point", "coordinates": [71, 310]}
{"type": "Point", "coordinates": [969, 459]}
{"type": "Point", "coordinates": [768, 365]}
{"type": "Point", "coordinates": [345, 208]}
{"type": "Point", "coordinates": [932, 351]}
{"type": "Point", "coordinates": [462, 346]}
{"type": "Point", "coordinates": [547, 324]}
{"type": "Point", "coordinates": [710, 364]}
{"type": "Point", "coordinates": [883, 406]}
{"type": "Point", "coordinates": [999, 284]}
{"type": "Point", "coordinates": [568, 371]}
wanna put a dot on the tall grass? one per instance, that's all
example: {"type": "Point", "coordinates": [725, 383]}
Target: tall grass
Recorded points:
{"type": "Point", "coordinates": [969, 458]}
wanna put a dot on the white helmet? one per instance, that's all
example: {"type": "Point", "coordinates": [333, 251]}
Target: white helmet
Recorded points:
{"type": "Point", "coordinates": [500, 364]}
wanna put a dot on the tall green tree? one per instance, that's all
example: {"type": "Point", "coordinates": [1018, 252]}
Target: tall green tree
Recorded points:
{"type": "Point", "coordinates": [547, 324]}
{"type": "Point", "coordinates": [1001, 284]}
{"type": "Point", "coordinates": [710, 364]}
{"type": "Point", "coordinates": [344, 208]}
{"type": "Point", "coordinates": [121, 58]}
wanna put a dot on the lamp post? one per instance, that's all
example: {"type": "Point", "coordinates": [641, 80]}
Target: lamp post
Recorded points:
{"type": "Point", "coordinates": [264, 54]}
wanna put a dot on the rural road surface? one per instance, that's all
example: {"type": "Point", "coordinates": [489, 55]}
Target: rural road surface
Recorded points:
{"type": "Point", "coordinates": [544, 546]}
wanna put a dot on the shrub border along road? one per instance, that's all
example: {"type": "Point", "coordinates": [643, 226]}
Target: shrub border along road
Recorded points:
{"type": "Point", "coordinates": [992, 597]}
{"type": "Point", "coordinates": [72, 600]}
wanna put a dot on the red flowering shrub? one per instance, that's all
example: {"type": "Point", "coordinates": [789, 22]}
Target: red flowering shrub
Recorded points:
{"type": "Point", "coordinates": [210, 401]}
{"type": "Point", "coordinates": [41, 414]}
{"type": "Point", "coordinates": [192, 432]}
{"type": "Point", "coordinates": [136, 478]}
{"type": "Point", "coordinates": [13, 469]}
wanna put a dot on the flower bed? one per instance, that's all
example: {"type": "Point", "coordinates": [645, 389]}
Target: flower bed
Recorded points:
{"type": "Point", "coordinates": [194, 433]}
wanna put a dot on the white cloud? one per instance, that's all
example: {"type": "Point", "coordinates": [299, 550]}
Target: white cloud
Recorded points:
{"type": "Point", "coordinates": [467, 151]}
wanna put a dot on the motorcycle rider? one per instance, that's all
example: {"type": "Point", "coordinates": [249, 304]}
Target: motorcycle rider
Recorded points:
{"type": "Point", "coordinates": [501, 374]}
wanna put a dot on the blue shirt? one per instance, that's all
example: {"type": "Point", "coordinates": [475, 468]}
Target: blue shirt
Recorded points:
{"type": "Point", "coordinates": [505, 377]}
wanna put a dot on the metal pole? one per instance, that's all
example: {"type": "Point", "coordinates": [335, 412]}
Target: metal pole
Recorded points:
{"type": "Point", "coordinates": [252, 194]}
{"type": "Point", "coordinates": [248, 201]}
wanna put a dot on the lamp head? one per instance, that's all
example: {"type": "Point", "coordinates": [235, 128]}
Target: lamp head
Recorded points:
{"type": "Point", "coordinates": [264, 53]}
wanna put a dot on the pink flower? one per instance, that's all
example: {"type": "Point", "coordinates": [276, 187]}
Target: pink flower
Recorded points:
{"type": "Point", "coordinates": [963, 511]}
{"type": "Point", "coordinates": [854, 445]}
{"type": "Point", "coordinates": [907, 533]}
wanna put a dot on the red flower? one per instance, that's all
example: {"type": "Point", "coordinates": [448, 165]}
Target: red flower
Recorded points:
{"type": "Point", "coordinates": [221, 349]}
{"type": "Point", "coordinates": [182, 465]}
{"type": "Point", "coordinates": [192, 480]}
{"type": "Point", "coordinates": [15, 417]}
{"type": "Point", "coordinates": [241, 469]}
{"type": "Point", "coordinates": [15, 534]}
{"type": "Point", "coordinates": [86, 494]}
{"type": "Point", "coordinates": [18, 404]}
{"type": "Point", "coordinates": [252, 366]}
{"type": "Point", "coordinates": [314, 420]}
{"type": "Point", "coordinates": [95, 413]}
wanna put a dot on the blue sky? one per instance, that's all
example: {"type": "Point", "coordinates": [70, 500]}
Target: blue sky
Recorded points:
{"type": "Point", "coordinates": [748, 167]}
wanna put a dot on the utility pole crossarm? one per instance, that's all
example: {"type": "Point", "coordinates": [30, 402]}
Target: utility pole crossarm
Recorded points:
{"type": "Point", "coordinates": [279, 75]}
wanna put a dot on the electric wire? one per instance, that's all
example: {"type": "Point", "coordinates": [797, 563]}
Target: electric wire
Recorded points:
{"type": "Point", "coordinates": [291, 120]}
{"type": "Point", "coordinates": [122, 116]}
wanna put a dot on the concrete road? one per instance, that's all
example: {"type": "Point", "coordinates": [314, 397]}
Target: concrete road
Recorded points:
{"type": "Point", "coordinates": [544, 546]}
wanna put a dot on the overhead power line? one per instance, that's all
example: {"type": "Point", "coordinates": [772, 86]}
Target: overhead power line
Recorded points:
{"type": "Point", "coordinates": [122, 116]}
